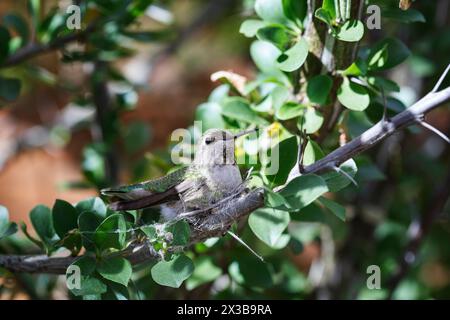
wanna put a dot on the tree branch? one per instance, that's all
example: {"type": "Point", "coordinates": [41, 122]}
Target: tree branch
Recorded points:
{"type": "Point", "coordinates": [34, 49]}
{"type": "Point", "coordinates": [381, 130]}
{"type": "Point", "coordinates": [217, 222]}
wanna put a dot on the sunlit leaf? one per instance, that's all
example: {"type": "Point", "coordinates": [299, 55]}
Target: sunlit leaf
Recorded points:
{"type": "Point", "coordinates": [172, 273]}
{"type": "Point", "coordinates": [268, 224]}
{"type": "Point", "coordinates": [294, 58]}
{"type": "Point", "coordinates": [353, 96]}
{"type": "Point", "coordinates": [251, 26]}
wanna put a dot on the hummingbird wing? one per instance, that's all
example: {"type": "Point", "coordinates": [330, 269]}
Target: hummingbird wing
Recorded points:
{"type": "Point", "coordinates": [149, 193]}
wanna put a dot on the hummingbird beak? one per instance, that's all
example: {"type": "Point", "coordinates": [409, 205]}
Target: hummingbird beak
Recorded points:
{"type": "Point", "coordinates": [243, 133]}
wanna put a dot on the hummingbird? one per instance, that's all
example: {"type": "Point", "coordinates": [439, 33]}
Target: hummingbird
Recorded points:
{"type": "Point", "coordinates": [212, 176]}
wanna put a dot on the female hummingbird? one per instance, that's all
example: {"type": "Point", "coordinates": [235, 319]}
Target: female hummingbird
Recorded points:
{"type": "Point", "coordinates": [212, 176]}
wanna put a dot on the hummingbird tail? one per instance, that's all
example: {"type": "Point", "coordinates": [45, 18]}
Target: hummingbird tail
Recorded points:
{"type": "Point", "coordinates": [124, 194]}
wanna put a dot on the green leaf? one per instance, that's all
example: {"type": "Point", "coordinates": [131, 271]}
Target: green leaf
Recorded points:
{"type": "Point", "coordinates": [52, 24]}
{"type": "Point", "coordinates": [264, 106]}
{"type": "Point", "coordinates": [268, 224]}
{"type": "Point", "coordinates": [377, 59]}
{"type": "Point", "coordinates": [386, 84]}
{"type": "Point", "coordinates": [283, 157]}
{"type": "Point", "coordinates": [72, 242]}
{"type": "Point", "coordinates": [6, 228]}
{"type": "Point", "coordinates": [294, 281]}
{"type": "Point", "coordinates": [86, 264]}
{"type": "Point", "coordinates": [111, 233]}
{"type": "Point", "coordinates": [17, 22]}
{"type": "Point", "coordinates": [351, 31]}
{"type": "Point", "coordinates": [205, 271]}
{"type": "Point", "coordinates": [303, 190]}
{"type": "Point", "coordinates": [334, 207]}
{"type": "Point", "coordinates": [89, 286]}
{"type": "Point", "coordinates": [4, 43]}
{"type": "Point", "coordinates": [265, 55]}
{"type": "Point", "coordinates": [4, 216]}
{"type": "Point", "coordinates": [353, 96]}
{"type": "Point", "coordinates": [395, 53]}
{"type": "Point", "coordinates": [405, 16]}
{"type": "Point", "coordinates": [9, 89]}
{"type": "Point", "coordinates": [116, 269]}
{"type": "Point", "coordinates": [65, 217]}
{"type": "Point", "coordinates": [357, 68]}
{"type": "Point", "coordinates": [324, 16]}
{"type": "Point", "coordinates": [41, 219]}
{"type": "Point", "coordinates": [282, 242]}
{"type": "Point", "coordinates": [270, 10]}
{"type": "Point", "coordinates": [274, 199]}
{"type": "Point", "coordinates": [311, 121]}
{"type": "Point", "coordinates": [218, 95]}
{"type": "Point", "coordinates": [239, 109]}
{"type": "Point", "coordinates": [181, 233]}
{"type": "Point", "coordinates": [209, 114]}
{"type": "Point", "coordinates": [172, 273]}
{"type": "Point", "coordinates": [295, 10]}
{"type": "Point", "coordinates": [329, 6]}
{"type": "Point", "coordinates": [280, 94]}
{"type": "Point", "coordinates": [318, 89]}
{"type": "Point", "coordinates": [337, 181]}
{"type": "Point", "coordinates": [115, 292]}
{"type": "Point", "coordinates": [313, 152]}
{"type": "Point", "coordinates": [93, 163]}
{"type": "Point", "coordinates": [294, 58]}
{"type": "Point", "coordinates": [150, 232]}
{"type": "Point", "coordinates": [358, 122]}
{"type": "Point", "coordinates": [88, 221]}
{"type": "Point", "coordinates": [95, 205]}
{"type": "Point", "coordinates": [34, 8]}
{"type": "Point", "coordinates": [276, 34]}
{"type": "Point", "coordinates": [250, 27]}
{"type": "Point", "coordinates": [290, 110]}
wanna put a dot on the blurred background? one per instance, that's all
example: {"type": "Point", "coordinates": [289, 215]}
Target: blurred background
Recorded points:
{"type": "Point", "coordinates": [52, 139]}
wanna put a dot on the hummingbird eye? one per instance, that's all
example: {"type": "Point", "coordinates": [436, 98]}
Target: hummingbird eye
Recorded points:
{"type": "Point", "coordinates": [209, 140]}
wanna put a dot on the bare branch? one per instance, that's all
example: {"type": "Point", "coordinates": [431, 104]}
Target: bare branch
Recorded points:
{"type": "Point", "coordinates": [215, 224]}
{"type": "Point", "coordinates": [378, 132]}
{"type": "Point", "coordinates": [35, 49]}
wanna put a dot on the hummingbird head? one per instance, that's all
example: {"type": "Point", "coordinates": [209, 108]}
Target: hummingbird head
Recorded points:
{"type": "Point", "coordinates": [216, 147]}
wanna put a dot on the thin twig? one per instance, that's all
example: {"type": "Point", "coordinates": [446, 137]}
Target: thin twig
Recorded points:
{"type": "Point", "coordinates": [35, 49]}
{"type": "Point", "coordinates": [434, 130]}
